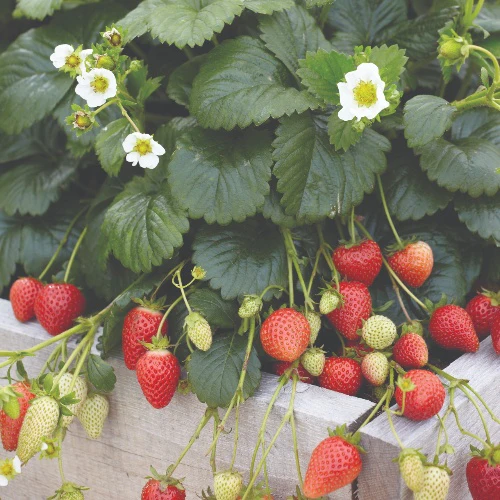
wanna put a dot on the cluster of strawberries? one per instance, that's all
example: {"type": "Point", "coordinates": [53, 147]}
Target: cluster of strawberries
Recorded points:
{"type": "Point", "coordinates": [375, 349]}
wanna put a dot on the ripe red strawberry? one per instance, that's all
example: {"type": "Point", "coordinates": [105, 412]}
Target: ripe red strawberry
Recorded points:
{"type": "Point", "coordinates": [285, 334]}
{"type": "Point", "coordinates": [411, 351]}
{"type": "Point", "coordinates": [281, 366]}
{"type": "Point", "coordinates": [158, 372]}
{"type": "Point", "coordinates": [22, 296]}
{"type": "Point", "coordinates": [483, 477]}
{"type": "Point", "coordinates": [361, 262]}
{"type": "Point", "coordinates": [482, 309]}
{"type": "Point", "coordinates": [140, 324]}
{"type": "Point", "coordinates": [413, 264]}
{"type": "Point", "coordinates": [427, 397]}
{"type": "Point", "coordinates": [357, 306]}
{"type": "Point", "coordinates": [10, 427]}
{"type": "Point", "coordinates": [154, 490]}
{"type": "Point", "coordinates": [451, 327]}
{"type": "Point", "coordinates": [334, 463]}
{"type": "Point", "coordinates": [495, 333]}
{"type": "Point", "coordinates": [58, 305]}
{"type": "Point", "coordinates": [341, 375]}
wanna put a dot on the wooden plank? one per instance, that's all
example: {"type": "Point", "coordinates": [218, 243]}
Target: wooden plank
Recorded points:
{"type": "Point", "coordinates": [137, 436]}
{"type": "Point", "coordinates": [380, 477]}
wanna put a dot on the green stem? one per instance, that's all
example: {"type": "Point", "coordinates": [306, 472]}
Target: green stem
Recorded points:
{"type": "Point", "coordinates": [189, 53]}
{"type": "Point", "coordinates": [323, 17]}
{"type": "Point", "coordinates": [61, 244]}
{"type": "Point", "coordinates": [314, 271]}
{"type": "Point", "coordinates": [127, 116]}
{"type": "Point", "coordinates": [73, 255]}
{"type": "Point", "coordinates": [236, 433]}
{"type": "Point", "coordinates": [206, 418]}
{"type": "Point", "coordinates": [324, 247]}
{"type": "Point", "coordinates": [483, 402]}
{"type": "Point", "coordinates": [493, 59]}
{"type": "Point", "coordinates": [340, 230]}
{"type": "Point", "coordinates": [169, 310]}
{"type": "Point", "coordinates": [59, 458]}
{"type": "Point", "coordinates": [352, 231]}
{"type": "Point", "coordinates": [296, 449]}
{"type": "Point", "coordinates": [215, 41]}
{"type": "Point", "coordinates": [387, 214]}
{"type": "Point", "coordinates": [181, 287]}
{"type": "Point", "coordinates": [480, 413]}
{"type": "Point", "coordinates": [388, 411]}
{"type": "Point", "coordinates": [284, 421]}
{"type": "Point", "coordinates": [375, 410]}
{"type": "Point", "coordinates": [291, 286]}
{"type": "Point", "coordinates": [105, 105]}
{"type": "Point", "coordinates": [79, 365]}
{"type": "Point", "coordinates": [477, 10]}
{"type": "Point", "coordinates": [213, 464]}
{"type": "Point", "coordinates": [397, 291]}
{"type": "Point", "coordinates": [271, 287]}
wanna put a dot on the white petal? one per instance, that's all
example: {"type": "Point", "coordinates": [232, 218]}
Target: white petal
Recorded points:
{"type": "Point", "coordinates": [130, 142]}
{"type": "Point", "coordinates": [157, 148]}
{"type": "Point", "coordinates": [346, 115]}
{"type": "Point", "coordinates": [95, 100]}
{"type": "Point", "coordinates": [368, 72]}
{"type": "Point", "coordinates": [346, 95]}
{"type": "Point", "coordinates": [352, 78]}
{"type": "Point", "coordinates": [44, 447]}
{"type": "Point", "coordinates": [3, 481]}
{"type": "Point", "coordinates": [143, 137]}
{"type": "Point", "coordinates": [83, 88]}
{"type": "Point", "coordinates": [85, 53]}
{"type": "Point", "coordinates": [133, 158]}
{"type": "Point", "coordinates": [149, 161]}
{"type": "Point", "coordinates": [17, 464]}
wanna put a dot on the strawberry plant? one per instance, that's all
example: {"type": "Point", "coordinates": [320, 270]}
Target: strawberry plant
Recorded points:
{"type": "Point", "coordinates": [307, 187]}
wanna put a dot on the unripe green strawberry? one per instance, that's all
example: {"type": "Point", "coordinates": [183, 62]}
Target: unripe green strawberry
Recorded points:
{"type": "Point", "coordinates": [227, 485]}
{"type": "Point", "coordinates": [379, 332]}
{"type": "Point", "coordinates": [436, 484]}
{"type": "Point", "coordinates": [329, 302]}
{"type": "Point", "coordinates": [199, 331]}
{"type": "Point", "coordinates": [80, 390]}
{"type": "Point", "coordinates": [250, 307]}
{"type": "Point", "coordinates": [412, 470]}
{"type": "Point", "coordinates": [313, 360]}
{"type": "Point", "coordinates": [40, 422]}
{"type": "Point", "coordinates": [314, 320]}
{"type": "Point", "coordinates": [451, 49]}
{"type": "Point", "coordinates": [69, 491]}
{"type": "Point", "coordinates": [71, 495]}
{"type": "Point", "coordinates": [375, 368]}
{"type": "Point", "coordinates": [93, 414]}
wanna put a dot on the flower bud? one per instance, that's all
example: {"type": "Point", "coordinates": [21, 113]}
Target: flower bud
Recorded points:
{"type": "Point", "coordinates": [451, 49]}
{"type": "Point", "coordinates": [82, 120]}
{"type": "Point", "coordinates": [114, 37]}
{"type": "Point", "coordinates": [105, 61]}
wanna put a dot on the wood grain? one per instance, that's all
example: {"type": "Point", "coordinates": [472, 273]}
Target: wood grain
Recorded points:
{"type": "Point", "coordinates": [137, 436]}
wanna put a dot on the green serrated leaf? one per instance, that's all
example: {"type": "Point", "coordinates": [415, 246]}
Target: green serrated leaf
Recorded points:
{"type": "Point", "coordinates": [409, 193]}
{"type": "Point", "coordinates": [216, 310]}
{"type": "Point", "coordinates": [214, 374]}
{"type": "Point", "coordinates": [109, 147]}
{"type": "Point", "coordinates": [274, 211]}
{"type": "Point", "coordinates": [267, 6]}
{"type": "Point", "coordinates": [242, 83]}
{"type": "Point", "coordinates": [181, 22]}
{"type": "Point", "coordinates": [480, 215]}
{"type": "Point", "coordinates": [144, 225]}
{"type": "Point", "coordinates": [342, 134]}
{"type": "Point", "coordinates": [219, 183]}
{"type": "Point", "coordinates": [427, 117]}
{"type": "Point", "coordinates": [318, 3]}
{"type": "Point", "coordinates": [180, 82]}
{"type": "Point", "coordinates": [38, 9]}
{"type": "Point", "coordinates": [30, 86]}
{"type": "Point", "coordinates": [291, 34]}
{"type": "Point", "coordinates": [101, 374]}
{"type": "Point", "coordinates": [241, 259]}
{"type": "Point", "coordinates": [316, 181]}
{"type": "Point", "coordinates": [390, 61]}
{"type": "Point", "coordinates": [320, 72]}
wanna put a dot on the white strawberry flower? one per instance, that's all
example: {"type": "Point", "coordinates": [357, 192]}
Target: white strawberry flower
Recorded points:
{"type": "Point", "coordinates": [142, 149]}
{"type": "Point", "coordinates": [9, 469]}
{"type": "Point", "coordinates": [362, 94]}
{"type": "Point", "coordinates": [65, 57]}
{"type": "Point", "coordinates": [96, 86]}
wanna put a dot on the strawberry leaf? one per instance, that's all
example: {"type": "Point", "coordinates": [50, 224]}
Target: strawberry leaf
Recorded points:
{"type": "Point", "coordinates": [214, 374]}
{"type": "Point", "coordinates": [180, 82]}
{"type": "Point", "coordinates": [241, 259]}
{"type": "Point", "coordinates": [242, 83]}
{"type": "Point", "coordinates": [109, 147]}
{"type": "Point", "coordinates": [267, 6]}
{"type": "Point", "coordinates": [221, 184]}
{"type": "Point", "coordinates": [38, 9]}
{"type": "Point", "coordinates": [101, 375]}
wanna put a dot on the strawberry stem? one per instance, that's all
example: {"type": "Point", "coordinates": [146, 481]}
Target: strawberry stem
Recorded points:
{"type": "Point", "coordinates": [352, 230]}
{"type": "Point", "coordinates": [236, 432]}
{"type": "Point", "coordinates": [296, 450]}
{"type": "Point", "coordinates": [397, 291]}
{"type": "Point", "coordinates": [213, 454]}
{"type": "Point", "coordinates": [324, 248]}
{"type": "Point", "coordinates": [374, 411]}
{"type": "Point", "coordinates": [483, 402]}
{"type": "Point", "coordinates": [73, 255]}
{"type": "Point", "coordinates": [284, 421]}
{"type": "Point", "coordinates": [61, 244]}
{"type": "Point", "coordinates": [170, 273]}
{"type": "Point", "coordinates": [442, 428]}
{"type": "Point", "coordinates": [388, 411]}
{"type": "Point", "coordinates": [387, 214]}
{"type": "Point", "coordinates": [59, 456]}
{"type": "Point", "coordinates": [181, 287]}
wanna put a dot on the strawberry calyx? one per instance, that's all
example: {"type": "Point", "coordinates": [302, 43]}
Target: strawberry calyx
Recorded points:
{"type": "Point", "coordinates": [154, 306]}
{"type": "Point", "coordinates": [493, 296]}
{"type": "Point", "coordinates": [414, 327]}
{"type": "Point", "coordinates": [347, 244]}
{"type": "Point", "coordinates": [45, 386]}
{"type": "Point", "coordinates": [158, 343]}
{"type": "Point", "coordinates": [491, 454]}
{"type": "Point", "coordinates": [398, 247]}
{"type": "Point", "coordinates": [68, 488]}
{"type": "Point", "coordinates": [352, 438]}
{"type": "Point", "coordinates": [406, 452]}
{"type": "Point", "coordinates": [432, 306]}
{"type": "Point", "coordinates": [9, 401]}
{"type": "Point", "coordinates": [165, 479]}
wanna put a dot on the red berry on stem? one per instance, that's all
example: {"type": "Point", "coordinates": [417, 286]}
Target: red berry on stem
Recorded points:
{"type": "Point", "coordinates": [281, 366]}
{"type": "Point", "coordinates": [356, 307]}
{"type": "Point", "coordinates": [483, 478]}
{"type": "Point", "coordinates": [155, 490]}
{"type": "Point", "coordinates": [22, 296]}
{"type": "Point", "coordinates": [140, 324]}
{"type": "Point", "coordinates": [361, 262]}
{"type": "Point", "coordinates": [58, 305]}
{"type": "Point", "coordinates": [411, 351]}
{"type": "Point", "coordinates": [482, 309]}
{"type": "Point", "coordinates": [341, 375]}
{"type": "Point", "coordinates": [413, 264]}
{"type": "Point", "coordinates": [495, 333]}
{"type": "Point", "coordinates": [426, 399]}
{"type": "Point", "coordinates": [285, 334]}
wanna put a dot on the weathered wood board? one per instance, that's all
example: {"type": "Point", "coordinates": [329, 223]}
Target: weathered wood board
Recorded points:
{"type": "Point", "coordinates": [380, 477]}
{"type": "Point", "coordinates": [137, 436]}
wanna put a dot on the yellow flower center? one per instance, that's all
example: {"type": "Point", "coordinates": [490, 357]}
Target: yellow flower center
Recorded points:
{"type": "Point", "coordinates": [73, 61]}
{"type": "Point", "coordinates": [7, 469]}
{"type": "Point", "coordinates": [365, 94]}
{"type": "Point", "coordinates": [143, 147]}
{"type": "Point", "coordinates": [100, 84]}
